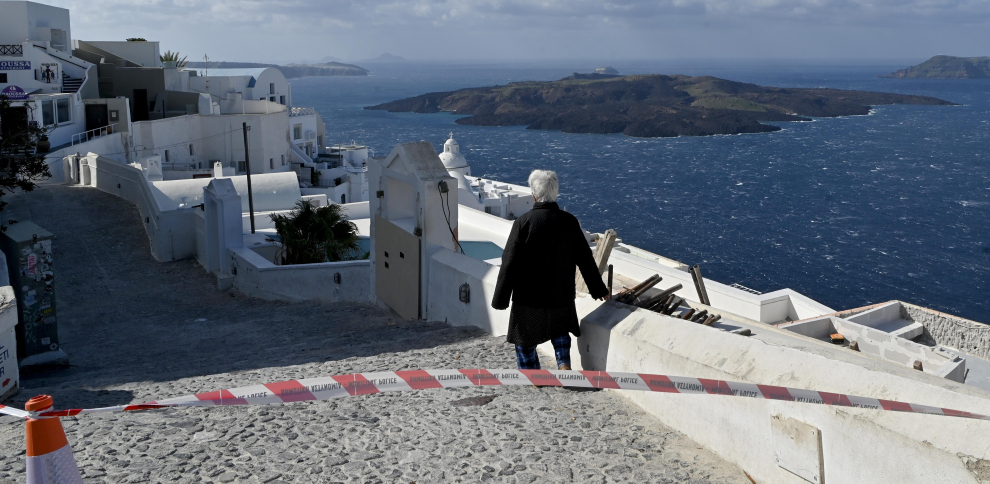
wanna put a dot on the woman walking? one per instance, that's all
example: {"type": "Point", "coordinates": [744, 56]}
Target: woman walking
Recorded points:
{"type": "Point", "coordinates": [537, 274]}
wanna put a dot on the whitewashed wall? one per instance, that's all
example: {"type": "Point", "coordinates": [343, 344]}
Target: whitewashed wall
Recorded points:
{"type": "Point", "coordinates": [859, 445]}
{"type": "Point", "coordinates": [172, 233]}
{"type": "Point", "coordinates": [258, 277]}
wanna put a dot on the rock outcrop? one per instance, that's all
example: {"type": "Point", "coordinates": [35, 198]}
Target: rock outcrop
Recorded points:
{"type": "Point", "coordinates": [646, 105]}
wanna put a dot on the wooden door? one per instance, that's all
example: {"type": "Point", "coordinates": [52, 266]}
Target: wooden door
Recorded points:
{"type": "Point", "coordinates": [397, 268]}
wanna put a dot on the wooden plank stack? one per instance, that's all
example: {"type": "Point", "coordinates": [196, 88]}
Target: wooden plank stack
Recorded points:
{"type": "Point", "coordinates": [664, 302]}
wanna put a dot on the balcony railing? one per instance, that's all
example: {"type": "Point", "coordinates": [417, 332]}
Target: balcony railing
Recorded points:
{"type": "Point", "coordinates": [302, 111]}
{"type": "Point", "coordinates": [93, 134]}
{"type": "Point", "coordinates": [11, 49]}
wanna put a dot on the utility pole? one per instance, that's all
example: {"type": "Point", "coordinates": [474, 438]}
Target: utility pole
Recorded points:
{"type": "Point", "coordinates": [247, 164]}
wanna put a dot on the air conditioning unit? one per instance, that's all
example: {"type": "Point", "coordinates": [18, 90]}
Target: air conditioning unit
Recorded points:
{"type": "Point", "coordinates": [310, 135]}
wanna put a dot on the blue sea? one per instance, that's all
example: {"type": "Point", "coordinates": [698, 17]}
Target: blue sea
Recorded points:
{"type": "Point", "coordinates": [848, 211]}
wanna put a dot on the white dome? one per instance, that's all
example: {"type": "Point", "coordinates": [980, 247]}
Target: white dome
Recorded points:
{"type": "Point", "coordinates": [451, 157]}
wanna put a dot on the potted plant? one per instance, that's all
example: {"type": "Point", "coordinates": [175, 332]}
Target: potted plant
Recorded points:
{"type": "Point", "coordinates": [43, 145]}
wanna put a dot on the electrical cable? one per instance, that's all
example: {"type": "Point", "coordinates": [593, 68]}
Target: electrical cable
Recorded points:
{"type": "Point", "coordinates": [446, 215]}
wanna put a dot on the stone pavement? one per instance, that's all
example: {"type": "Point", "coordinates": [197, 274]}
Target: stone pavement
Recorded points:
{"type": "Point", "coordinates": [138, 330]}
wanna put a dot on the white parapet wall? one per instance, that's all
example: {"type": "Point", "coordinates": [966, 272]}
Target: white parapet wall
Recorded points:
{"type": "Point", "coordinates": [772, 307]}
{"type": "Point", "coordinates": [858, 445]}
{"type": "Point", "coordinates": [172, 233]}
{"type": "Point", "coordinates": [450, 270]}
{"type": "Point", "coordinates": [271, 191]}
{"type": "Point", "coordinates": [114, 145]}
{"type": "Point", "coordinates": [258, 277]}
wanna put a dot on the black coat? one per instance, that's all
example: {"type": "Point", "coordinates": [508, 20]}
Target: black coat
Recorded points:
{"type": "Point", "coordinates": [537, 272]}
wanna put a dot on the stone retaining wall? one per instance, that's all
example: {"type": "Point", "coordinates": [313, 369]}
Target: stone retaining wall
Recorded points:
{"type": "Point", "coordinates": [948, 330]}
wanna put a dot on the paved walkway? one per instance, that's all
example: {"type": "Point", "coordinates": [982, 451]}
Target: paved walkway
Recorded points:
{"type": "Point", "coordinates": [138, 330]}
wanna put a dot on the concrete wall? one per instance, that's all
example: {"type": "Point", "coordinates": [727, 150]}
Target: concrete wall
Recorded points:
{"type": "Point", "coordinates": [772, 307]}
{"type": "Point", "coordinates": [448, 271]}
{"type": "Point", "coordinates": [948, 330]}
{"type": "Point", "coordinates": [32, 21]}
{"type": "Point", "coordinates": [883, 345]}
{"type": "Point", "coordinates": [271, 191]}
{"type": "Point", "coordinates": [114, 145]}
{"type": "Point", "coordinates": [147, 54]}
{"type": "Point", "coordinates": [214, 138]}
{"type": "Point", "coordinates": [122, 106]}
{"type": "Point", "coordinates": [859, 445]}
{"type": "Point", "coordinates": [171, 233]}
{"type": "Point", "coordinates": [258, 277]}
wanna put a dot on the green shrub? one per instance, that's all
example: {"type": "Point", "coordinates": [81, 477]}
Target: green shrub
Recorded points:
{"type": "Point", "coordinates": [310, 235]}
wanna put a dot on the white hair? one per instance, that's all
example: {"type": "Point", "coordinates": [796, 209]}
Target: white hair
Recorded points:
{"type": "Point", "coordinates": [544, 185]}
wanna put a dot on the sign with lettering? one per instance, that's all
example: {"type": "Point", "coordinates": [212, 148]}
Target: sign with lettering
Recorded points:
{"type": "Point", "coordinates": [15, 65]}
{"type": "Point", "coordinates": [14, 93]}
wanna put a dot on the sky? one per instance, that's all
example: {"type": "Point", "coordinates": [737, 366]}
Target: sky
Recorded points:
{"type": "Point", "coordinates": [283, 31]}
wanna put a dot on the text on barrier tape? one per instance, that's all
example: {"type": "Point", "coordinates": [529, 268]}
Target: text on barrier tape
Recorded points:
{"type": "Point", "coordinates": [325, 388]}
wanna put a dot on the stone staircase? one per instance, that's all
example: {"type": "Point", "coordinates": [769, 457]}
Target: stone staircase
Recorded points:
{"type": "Point", "coordinates": [70, 84]}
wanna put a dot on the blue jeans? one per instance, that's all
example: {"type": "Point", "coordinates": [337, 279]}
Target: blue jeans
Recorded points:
{"type": "Point", "coordinates": [527, 359]}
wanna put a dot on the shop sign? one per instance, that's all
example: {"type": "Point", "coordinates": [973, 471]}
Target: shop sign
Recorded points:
{"type": "Point", "coordinates": [14, 93]}
{"type": "Point", "coordinates": [15, 65]}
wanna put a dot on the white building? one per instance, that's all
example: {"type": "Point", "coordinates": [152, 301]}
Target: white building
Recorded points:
{"type": "Point", "coordinates": [341, 174]}
{"type": "Point", "coordinates": [497, 198]}
{"type": "Point", "coordinates": [190, 146]}
{"type": "Point", "coordinates": [263, 84]}
{"type": "Point", "coordinates": [39, 72]}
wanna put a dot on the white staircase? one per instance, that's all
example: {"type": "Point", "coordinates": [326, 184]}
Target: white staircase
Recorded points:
{"type": "Point", "coordinates": [70, 84]}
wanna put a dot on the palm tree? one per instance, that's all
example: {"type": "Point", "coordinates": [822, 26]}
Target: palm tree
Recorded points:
{"type": "Point", "coordinates": [170, 56]}
{"type": "Point", "coordinates": [311, 235]}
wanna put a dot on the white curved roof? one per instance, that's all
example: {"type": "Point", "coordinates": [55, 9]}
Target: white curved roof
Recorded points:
{"type": "Point", "coordinates": [451, 157]}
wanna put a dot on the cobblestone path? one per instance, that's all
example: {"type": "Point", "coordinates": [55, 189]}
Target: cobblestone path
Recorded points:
{"type": "Point", "coordinates": [137, 330]}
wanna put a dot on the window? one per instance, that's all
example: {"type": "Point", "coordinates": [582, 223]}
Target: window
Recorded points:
{"type": "Point", "coordinates": [167, 158]}
{"type": "Point", "coordinates": [3, 79]}
{"type": "Point", "coordinates": [271, 89]}
{"type": "Point", "coordinates": [271, 163]}
{"type": "Point", "coordinates": [343, 198]}
{"type": "Point", "coordinates": [283, 160]}
{"type": "Point", "coordinates": [319, 140]}
{"type": "Point", "coordinates": [190, 150]}
{"type": "Point", "coordinates": [48, 112]}
{"type": "Point", "coordinates": [272, 99]}
{"type": "Point", "coordinates": [63, 110]}
{"type": "Point", "coordinates": [297, 131]}
{"type": "Point", "coordinates": [281, 100]}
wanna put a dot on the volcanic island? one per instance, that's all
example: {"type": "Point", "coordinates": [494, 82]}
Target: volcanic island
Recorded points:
{"type": "Point", "coordinates": [647, 106]}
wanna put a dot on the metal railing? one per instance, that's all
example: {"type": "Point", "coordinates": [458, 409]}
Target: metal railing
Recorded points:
{"type": "Point", "coordinates": [744, 288]}
{"type": "Point", "coordinates": [302, 111]}
{"type": "Point", "coordinates": [11, 49]}
{"type": "Point", "coordinates": [93, 134]}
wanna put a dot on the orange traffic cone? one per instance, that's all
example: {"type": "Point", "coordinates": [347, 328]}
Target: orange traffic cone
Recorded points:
{"type": "Point", "coordinates": [49, 457]}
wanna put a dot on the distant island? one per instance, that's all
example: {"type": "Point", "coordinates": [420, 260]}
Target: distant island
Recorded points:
{"type": "Point", "coordinates": [647, 106]}
{"type": "Point", "coordinates": [947, 67]}
{"type": "Point", "coordinates": [386, 58]}
{"type": "Point", "coordinates": [291, 70]}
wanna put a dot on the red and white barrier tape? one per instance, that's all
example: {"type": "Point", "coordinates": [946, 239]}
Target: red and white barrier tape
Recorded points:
{"type": "Point", "coordinates": [325, 388]}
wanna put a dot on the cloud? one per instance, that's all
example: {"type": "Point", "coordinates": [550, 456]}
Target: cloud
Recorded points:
{"type": "Point", "coordinates": [527, 12]}
{"type": "Point", "coordinates": [246, 29]}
